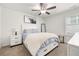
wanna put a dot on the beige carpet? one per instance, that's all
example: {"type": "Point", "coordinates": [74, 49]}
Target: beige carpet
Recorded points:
{"type": "Point", "coordinates": [21, 51]}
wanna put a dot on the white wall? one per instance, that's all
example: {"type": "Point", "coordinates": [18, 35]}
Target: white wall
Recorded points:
{"type": "Point", "coordinates": [56, 22]}
{"type": "Point", "coordinates": [0, 27]}
{"type": "Point", "coordinates": [10, 19]}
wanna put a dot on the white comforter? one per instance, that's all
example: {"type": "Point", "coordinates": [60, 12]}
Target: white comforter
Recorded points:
{"type": "Point", "coordinates": [33, 41]}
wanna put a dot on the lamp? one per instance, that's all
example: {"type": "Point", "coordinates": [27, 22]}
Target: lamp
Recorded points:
{"type": "Point", "coordinates": [43, 11]}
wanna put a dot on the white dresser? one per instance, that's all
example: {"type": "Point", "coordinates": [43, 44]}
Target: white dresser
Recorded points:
{"type": "Point", "coordinates": [15, 40]}
{"type": "Point", "coordinates": [15, 37]}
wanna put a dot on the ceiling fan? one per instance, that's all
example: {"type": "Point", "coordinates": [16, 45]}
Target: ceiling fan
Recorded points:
{"type": "Point", "coordinates": [43, 9]}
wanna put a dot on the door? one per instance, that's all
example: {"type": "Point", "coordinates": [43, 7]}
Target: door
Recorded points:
{"type": "Point", "coordinates": [43, 27]}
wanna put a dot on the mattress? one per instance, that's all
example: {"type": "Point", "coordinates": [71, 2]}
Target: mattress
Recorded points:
{"type": "Point", "coordinates": [36, 43]}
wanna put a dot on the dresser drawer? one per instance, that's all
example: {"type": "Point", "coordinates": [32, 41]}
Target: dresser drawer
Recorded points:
{"type": "Point", "coordinates": [15, 43]}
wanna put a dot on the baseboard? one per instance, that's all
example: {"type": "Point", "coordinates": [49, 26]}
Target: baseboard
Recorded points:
{"type": "Point", "coordinates": [16, 45]}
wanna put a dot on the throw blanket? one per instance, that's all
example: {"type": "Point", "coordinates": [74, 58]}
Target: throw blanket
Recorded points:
{"type": "Point", "coordinates": [35, 40]}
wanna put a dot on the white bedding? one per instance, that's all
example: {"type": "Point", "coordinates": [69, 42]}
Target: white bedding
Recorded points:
{"type": "Point", "coordinates": [34, 41]}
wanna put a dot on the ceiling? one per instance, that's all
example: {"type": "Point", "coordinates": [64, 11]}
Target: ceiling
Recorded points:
{"type": "Point", "coordinates": [27, 7]}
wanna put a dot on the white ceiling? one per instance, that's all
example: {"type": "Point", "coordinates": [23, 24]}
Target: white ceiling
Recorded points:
{"type": "Point", "coordinates": [27, 7]}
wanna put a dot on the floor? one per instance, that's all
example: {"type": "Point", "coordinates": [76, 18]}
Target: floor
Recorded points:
{"type": "Point", "coordinates": [21, 51]}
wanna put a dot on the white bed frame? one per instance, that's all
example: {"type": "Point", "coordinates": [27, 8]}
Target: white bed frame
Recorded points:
{"type": "Point", "coordinates": [47, 49]}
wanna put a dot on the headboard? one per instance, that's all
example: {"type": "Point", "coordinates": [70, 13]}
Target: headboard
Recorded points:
{"type": "Point", "coordinates": [30, 28]}
{"type": "Point", "coordinates": [28, 31]}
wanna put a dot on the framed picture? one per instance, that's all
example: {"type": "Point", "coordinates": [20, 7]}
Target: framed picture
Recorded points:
{"type": "Point", "coordinates": [29, 20]}
{"type": "Point", "coordinates": [26, 19]}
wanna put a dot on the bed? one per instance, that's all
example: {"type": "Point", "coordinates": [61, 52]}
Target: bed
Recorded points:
{"type": "Point", "coordinates": [39, 43]}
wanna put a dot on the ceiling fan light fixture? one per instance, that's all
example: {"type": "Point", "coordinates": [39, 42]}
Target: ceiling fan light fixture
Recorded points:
{"type": "Point", "coordinates": [43, 8]}
{"type": "Point", "coordinates": [43, 11]}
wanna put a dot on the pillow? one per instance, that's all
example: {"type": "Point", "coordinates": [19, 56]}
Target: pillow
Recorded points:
{"type": "Point", "coordinates": [27, 32]}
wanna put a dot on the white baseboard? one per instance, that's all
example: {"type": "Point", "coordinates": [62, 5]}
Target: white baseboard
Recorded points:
{"type": "Point", "coordinates": [4, 42]}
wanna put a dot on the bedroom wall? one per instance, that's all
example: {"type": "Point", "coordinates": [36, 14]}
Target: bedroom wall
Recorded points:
{"type": "Point", "coordinates": [55, 23]}
{"type": "Point", "coordinates": [0, 26]}
{"type": "Point", "coordinates": [12, 19]}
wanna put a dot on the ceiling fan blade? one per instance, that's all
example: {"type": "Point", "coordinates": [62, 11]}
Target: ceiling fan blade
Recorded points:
{"type": "Point", "coordinates": [39, 14]}
{"type": "Point", "coordinates": [51, 8]}
{"type": "Point", "coordinates": [35, 10]}
{"type": "Point", "coordinates": [41, 6]}
{"type": "Point", "coordinates": [47, 13]}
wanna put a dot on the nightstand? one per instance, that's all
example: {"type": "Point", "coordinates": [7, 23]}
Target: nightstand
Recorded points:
{"type": "Point", "coordinates": [61, 38]}
{"type": "Point", "coordinates": [15, 40]}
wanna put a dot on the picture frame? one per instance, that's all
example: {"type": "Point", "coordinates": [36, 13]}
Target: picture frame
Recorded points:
{"type": "Point", "coordinates": [29, 20]}
{"type": "Point", "coordinates": [26, 19]}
